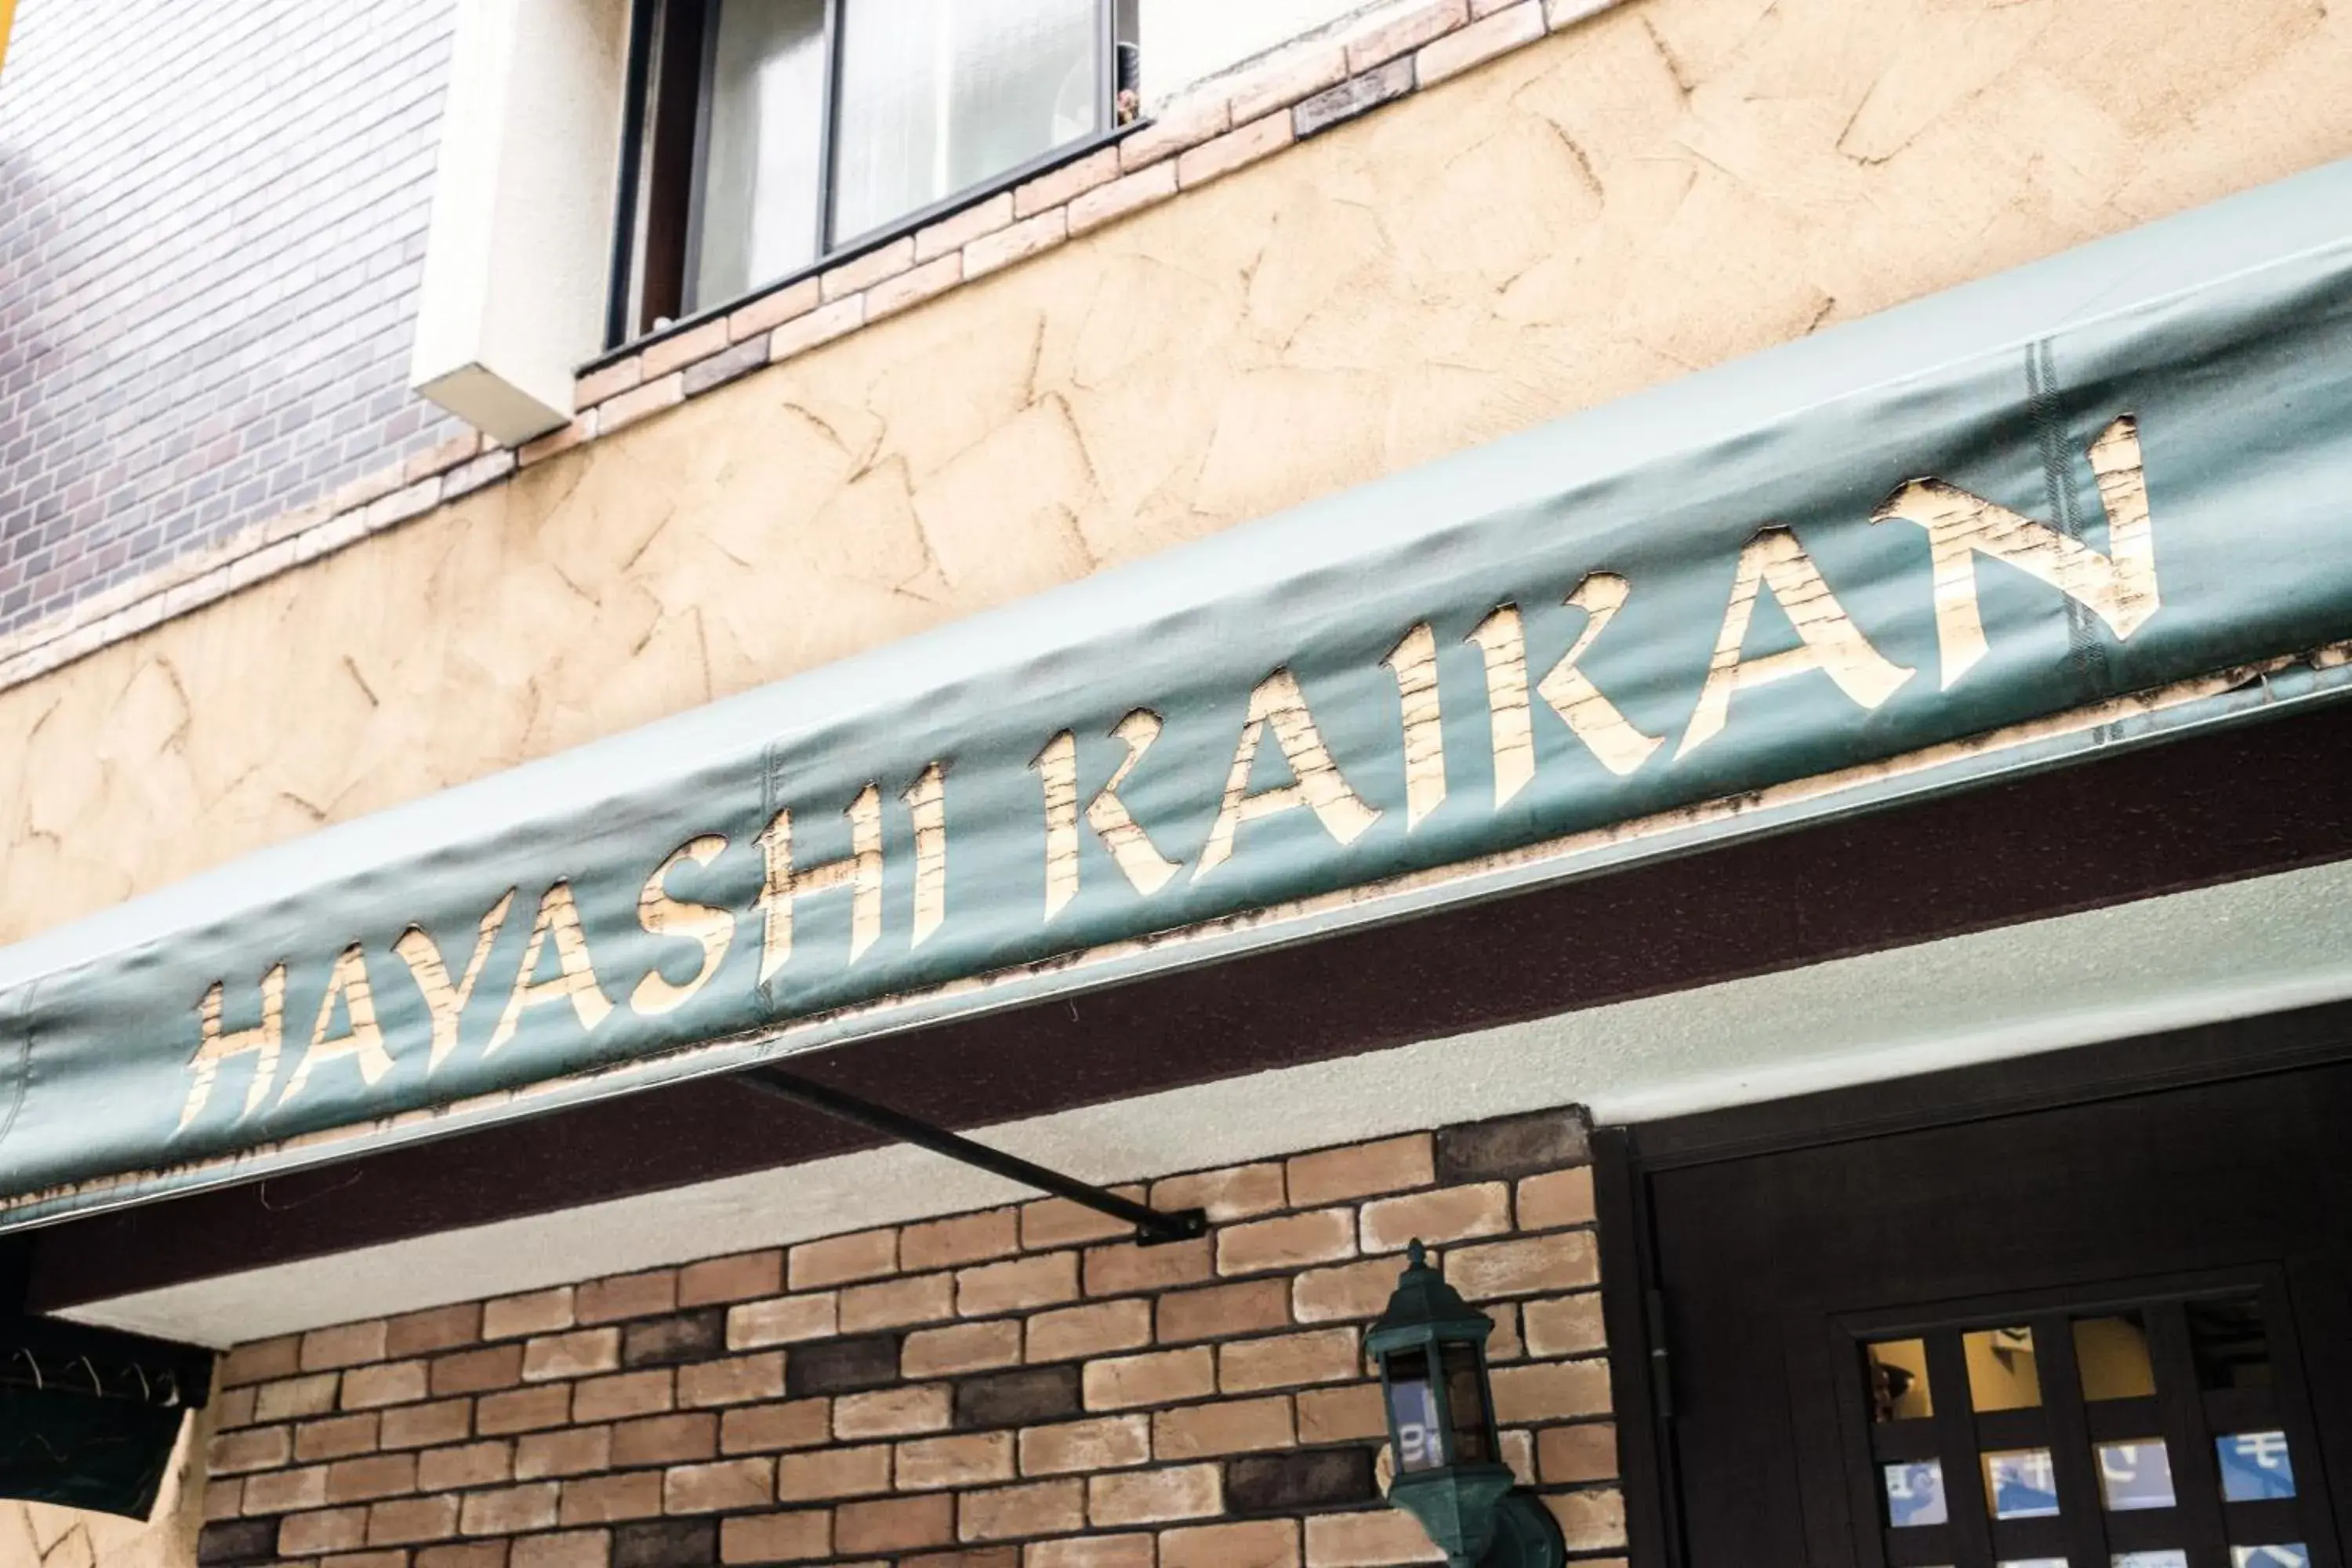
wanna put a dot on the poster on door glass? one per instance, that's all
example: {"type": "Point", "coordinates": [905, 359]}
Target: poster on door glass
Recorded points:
{"type": "Point", "coordinates": [2295, 1557]}
{"type": "Point", "coordinates": [2135, 1475]}
{"type": "Point", "coordinates": [1914, 1494]}
{"type": "Point", "coordinates": [2255, 1467]}
{"type": "Point", "coordinates": [2021, 1484]}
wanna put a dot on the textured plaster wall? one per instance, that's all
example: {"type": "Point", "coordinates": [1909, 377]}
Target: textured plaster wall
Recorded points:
{"type": "Point", "coordinates": [1679, 181]}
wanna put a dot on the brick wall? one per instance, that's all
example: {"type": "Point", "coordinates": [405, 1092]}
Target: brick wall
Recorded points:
{"type": "Point", "coordinates": [1014, 1388]}
{"type": "Point", "coordinates": [212, 222]}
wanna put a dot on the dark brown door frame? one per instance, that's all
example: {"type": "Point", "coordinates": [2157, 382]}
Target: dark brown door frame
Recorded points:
{"type": "Point", "coordinates": [1625, 1158]}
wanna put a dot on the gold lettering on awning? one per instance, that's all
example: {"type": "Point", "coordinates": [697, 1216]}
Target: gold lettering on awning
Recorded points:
{"type": "Point", "coordinates": [347, 982]}
{"type": "Point", "coordinates": [575, 980]}
{"type": "Point", "coordinates": [1827, 638]}
{"type": "Point", "coordinates": [661, 915]}
{"type": "Point", "coordinates": [2119, 587]}
{"type": "Point", "coordinates": [1316, 782]}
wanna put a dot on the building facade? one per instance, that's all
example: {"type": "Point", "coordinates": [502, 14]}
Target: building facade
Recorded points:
{"type": "Point", "coordinates": [1683, 648]}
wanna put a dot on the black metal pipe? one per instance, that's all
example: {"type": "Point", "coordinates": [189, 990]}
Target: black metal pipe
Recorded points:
{"type": "Point", "coordinates": [1152, 1226]}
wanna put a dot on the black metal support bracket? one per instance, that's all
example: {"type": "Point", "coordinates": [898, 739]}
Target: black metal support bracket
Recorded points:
{"type": "Point", "coordinates": [1153, 1228]}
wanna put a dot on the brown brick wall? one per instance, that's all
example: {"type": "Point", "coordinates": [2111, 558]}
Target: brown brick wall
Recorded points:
{"type": "Point", "coordinates": [212, 227]}
{"type": "Point", "coordinates": [1016, 1388]}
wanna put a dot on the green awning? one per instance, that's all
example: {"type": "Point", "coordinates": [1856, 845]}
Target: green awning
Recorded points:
{"type": "Point", "coordinates": [2084, 504]}
{"type": "Point", "coordinates": [89, 1417]}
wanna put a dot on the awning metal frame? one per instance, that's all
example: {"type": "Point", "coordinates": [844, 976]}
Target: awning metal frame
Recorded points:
{"type": "Point", "coordinates": [1153, 1228]}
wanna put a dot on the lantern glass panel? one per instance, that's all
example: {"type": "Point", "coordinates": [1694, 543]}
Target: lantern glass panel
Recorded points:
{"type": "Point", "coordinates": [1465, 1398]}
{"type": "Point", "coordinates": [1412, 1413]}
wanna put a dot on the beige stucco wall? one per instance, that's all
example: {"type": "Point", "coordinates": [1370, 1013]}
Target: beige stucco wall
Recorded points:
{"type": "Point", "coordinates": [1679, 181]}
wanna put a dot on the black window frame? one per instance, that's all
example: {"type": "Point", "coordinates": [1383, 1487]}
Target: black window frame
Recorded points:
{"type": "Point", "coordinates": [665, 128]}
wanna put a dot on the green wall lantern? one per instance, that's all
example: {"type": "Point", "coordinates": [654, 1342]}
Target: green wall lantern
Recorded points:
{"type": "Point", "coordinates": [1448, 1465]}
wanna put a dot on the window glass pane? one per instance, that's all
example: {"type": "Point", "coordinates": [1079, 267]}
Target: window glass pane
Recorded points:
{"type": "Point", "coordinates": [2231, 1347]}
{"type": "Point", "coordinates": [2255, 1467]}
{"type": "Point", "coordinates": [1897, 1370]}
{"type": "Point", "coordinates": [2002, 1374]}
{"type": "Point", "coordinates": [2135, 1475]}
{"type": "Point", "coordinates": [1412, 1413]}
{"type": "Point", "coordinates": [2113, 1354]}
{"type": "Point", "coordinates": [763, 144]}
{"type": "Point", "coordinates": [1914, 1494]}
{"type": "Point", "coordinates": [1467, 1403]}
{"type": "Point", "coordinates": [2032, 1562]}
{"type": "Point", "coordinates": [939, 95]}
{"type": "Point", "coordinates": [2295, 1557]}
{"type": "Point", "coordinates": [2171, 1557]}
{"type": "Point", "coordinates": [2021, 1484]}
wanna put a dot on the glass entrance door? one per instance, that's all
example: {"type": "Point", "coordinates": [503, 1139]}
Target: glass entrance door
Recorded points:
{"type": "Point", "coordinates": [2161, 1429]}
{"type": "Point", "coordinates": [2106, 1332]}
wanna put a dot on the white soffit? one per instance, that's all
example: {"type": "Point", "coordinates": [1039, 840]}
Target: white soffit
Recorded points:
{"type": "Point", "coordinates": [2231, 952]}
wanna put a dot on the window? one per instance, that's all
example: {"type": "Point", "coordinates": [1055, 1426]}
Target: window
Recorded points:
{"type": "Point", "coordinates": [2121, 1435]}
{"type": "Point", "coordinates": [771, 135]}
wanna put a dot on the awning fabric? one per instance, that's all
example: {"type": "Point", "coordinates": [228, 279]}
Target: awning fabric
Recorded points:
{"type": "Point", "coordinates": [2078, 505]}
{"type": "Point", "coordinates": [61, 1445]}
